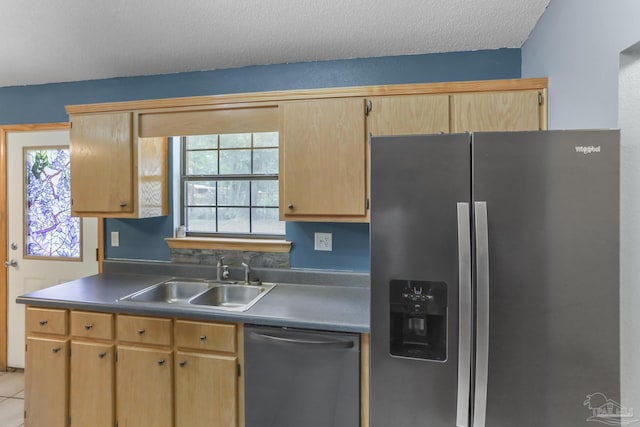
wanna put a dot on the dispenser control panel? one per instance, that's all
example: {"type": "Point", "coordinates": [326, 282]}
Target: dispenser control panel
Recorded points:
{"type": "Point", "coordinates": [418, 319]}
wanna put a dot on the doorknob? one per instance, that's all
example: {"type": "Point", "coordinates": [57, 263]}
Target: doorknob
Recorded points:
{"type": "Point", "coordinates": [11, 263]}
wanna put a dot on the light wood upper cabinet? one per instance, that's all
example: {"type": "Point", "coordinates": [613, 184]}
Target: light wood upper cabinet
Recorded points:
{"type": "Point", "coordinates": [323, 160]}
{"type": "Point", "coordinates": [408, 115]}
{"type": "Point", "coordinates": [46, 382]}
{"type": "Point", "coordinates": [113, 172]}
{"type": "Point", "coordinates": [497, 111]}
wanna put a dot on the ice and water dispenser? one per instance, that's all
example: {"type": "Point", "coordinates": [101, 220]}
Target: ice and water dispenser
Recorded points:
{"type": "Point", "coordinates": [418, 319]}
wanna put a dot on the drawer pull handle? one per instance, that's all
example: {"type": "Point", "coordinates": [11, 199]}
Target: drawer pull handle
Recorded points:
{"type": "Point", "coordinates": [56, 349]}
{"type": "Point", "coordinates": [102, 355]}
{"type": "Point", "coordinates": [161, 362]}
{"type": "Point", "coordinates": [43, 322]}
{"type": "Point", "coordinates": [141, 331]}
{"type": "Point", "coordinates": [123, 204]}
{"type": "Point", "coordinates": [203, 337]}
{"type": "Point", "coordinates": [183, 363]}
{"type": "Point", "coordinates": [89, 326]}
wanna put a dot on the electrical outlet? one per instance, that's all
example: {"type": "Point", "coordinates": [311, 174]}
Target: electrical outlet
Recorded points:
{"type": "Point", "coordinates": [323, 242]}
{"type": "Point", "coordinates": [115, 238]}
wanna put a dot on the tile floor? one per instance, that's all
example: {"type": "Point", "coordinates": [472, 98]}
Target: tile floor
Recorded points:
{"type": "Point", "coordinates": [11, 399]}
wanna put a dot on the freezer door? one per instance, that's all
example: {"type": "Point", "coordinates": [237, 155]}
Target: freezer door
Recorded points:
{"type": "Point", "coordinates": [420, 193]}
{"type": "Point", "coordinates": [547, 213]}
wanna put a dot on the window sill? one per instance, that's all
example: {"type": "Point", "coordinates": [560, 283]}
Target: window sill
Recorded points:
{"type": "Point", "coordinates": [255, 245]}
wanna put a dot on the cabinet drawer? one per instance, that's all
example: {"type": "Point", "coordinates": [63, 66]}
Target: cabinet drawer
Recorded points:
{"type": "Point", "coordinates": [92, 325]}
{"type": "Point", "coordinates": [206, 336]}
{"type": "Point", "coordinates": [144, 330]}
{"type": "Point", "coordinates": [46, 321]}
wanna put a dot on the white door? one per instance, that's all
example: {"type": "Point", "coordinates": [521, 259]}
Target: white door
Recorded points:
{"type": "Point", "coordinates": [42, 241]}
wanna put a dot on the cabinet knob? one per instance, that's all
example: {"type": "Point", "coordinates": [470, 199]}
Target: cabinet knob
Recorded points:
{"type": "Point", "coordinates": [88, 326]}
{"type": "Point", "coordinates": [203, 337]}
{"type": "Point", "coordinates": [161, 362]}
{"type": "Point", "coordinates": [183, 363]}
{"type": "Point", "coordinates": [43, 322]}
{"type": "Point", "coordinates": [56, 349]}
{"type": "Point", "coordinates": [141, 331]}
{"type": "Point", "coordinates": [123, 204]}
{"type": "Point", "coordinates": [102, 355]}
{"type": "Point", "coordinates": [290, 206]}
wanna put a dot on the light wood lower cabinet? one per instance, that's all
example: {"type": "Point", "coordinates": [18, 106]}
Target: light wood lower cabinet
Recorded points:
{"type": "Point", "coordinates": [144, 392]}
{"type": "Point", "coordinates": [131, 371]}
{"type": "Point", "coordinates": [92, 384]}
{"type": "Point", "coordinates": [206, 390]}
{"type": "Point", "coordinates": [47, 382]}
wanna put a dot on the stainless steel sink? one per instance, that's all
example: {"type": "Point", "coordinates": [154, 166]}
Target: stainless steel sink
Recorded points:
{"type": "Point", "coordinates": [232, 297]}
{"type": "Point", "coordinates": [224, 295]}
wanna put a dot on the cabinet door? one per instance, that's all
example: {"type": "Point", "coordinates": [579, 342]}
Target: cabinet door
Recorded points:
{"type": "Point", "coordinates": [144, 390]}
{"type": "Point", "coordinates": [322, 163]}
{"type": "Point", "coordinates": [206, 390]}
{"type": "Point", "coordinates": [409, 115]}
{"type": "Point", "coordinates": [496, 111]}
{"type": "Point", "coordinates": [92, 384]}
{"type": "Point", "coordinates": [46, 382]}
{"type": "Point", "coordinates": [102, 163]}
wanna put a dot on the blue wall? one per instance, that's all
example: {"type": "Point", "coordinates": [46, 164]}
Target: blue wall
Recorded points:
{"type": "Point", "coordinates": [144, 239]}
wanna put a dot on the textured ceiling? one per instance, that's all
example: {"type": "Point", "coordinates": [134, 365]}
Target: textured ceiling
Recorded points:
{"type": "Point", "coordinates": [45, 41]}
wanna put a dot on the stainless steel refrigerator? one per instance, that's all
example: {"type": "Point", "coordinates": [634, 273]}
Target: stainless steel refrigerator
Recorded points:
{"type": "Point", "coordinates": [495, 280]}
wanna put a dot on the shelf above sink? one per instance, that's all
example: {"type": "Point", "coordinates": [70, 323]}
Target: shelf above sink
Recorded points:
{"type": "Point", "coordinates": [223, 295]}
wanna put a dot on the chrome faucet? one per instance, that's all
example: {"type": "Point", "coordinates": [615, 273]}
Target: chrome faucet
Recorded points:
{"type": "Point", "coordinates": [222, 270]}
{"type": "Point", "coordinates": [247, 272]}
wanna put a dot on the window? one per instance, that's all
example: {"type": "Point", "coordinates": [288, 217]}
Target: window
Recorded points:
{"type": "Point", "coordinates": [50, 230]}
{"type": "Point", "coordinates": [230, 184]}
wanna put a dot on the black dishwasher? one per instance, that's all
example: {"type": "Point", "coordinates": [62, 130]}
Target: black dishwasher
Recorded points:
{"type": "Point", "coordinates": [296, 378]}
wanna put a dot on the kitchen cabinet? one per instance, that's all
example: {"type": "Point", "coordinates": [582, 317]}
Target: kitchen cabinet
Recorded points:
{"type": "Point", "coordinates": [114, 173]}
{"type": "Point", "coordinates": [498, 111]}
{"type": "Point", "coordinates": [92, 384]}
{"type": "Point", "coordinates": [144, 372]}
{"type": "Point", "coordinates": [46, 382]}
{"type": "Point", "coordinates": [206, 390]}
{"type": "Point", "coordinates": [144, 395]}
{"type": "Point", "coordinates": [207, 374]}
{"type": "Point", "coordinates": [323, 160]}
{"type": "Point", "coordinates": [47, 368]}
{"type": "Point", "coordinates": [92, 370]}
{"type": "Point", "coordinates": [408, 115]}
{"type": "Point", "coordinates": [102, 369]}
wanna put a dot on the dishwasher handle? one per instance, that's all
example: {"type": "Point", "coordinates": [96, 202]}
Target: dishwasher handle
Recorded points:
{"type": "Point", "coordinates": [284, 339]}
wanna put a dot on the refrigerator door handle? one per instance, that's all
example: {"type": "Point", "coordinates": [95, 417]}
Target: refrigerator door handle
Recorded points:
{"type": "Point", "coordinates": [464, 313]}
{"type": "Point", "coordinates": [482, 314]}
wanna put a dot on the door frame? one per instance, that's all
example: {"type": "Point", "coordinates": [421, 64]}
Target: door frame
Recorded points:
{"type": "Point", "coordinates": [4, 129]}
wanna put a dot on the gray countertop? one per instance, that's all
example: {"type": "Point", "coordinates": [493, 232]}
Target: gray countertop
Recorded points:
{"type": "Point", "coordinates": [322, 307]}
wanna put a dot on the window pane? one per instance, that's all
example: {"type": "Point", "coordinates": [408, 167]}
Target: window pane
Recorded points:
{"type": "Point", "coordinates": [265, 161]}
{"type": "Point", "coordinates": [50, 230]}
{"type": "Point", "coordinates": [265, 221]}
{"type": "Point", "coordinates": [233, 193]}
{"type": "Point", "coordinates": [198, 142]}
{"type": "Point", "coordinates": [202, 220]}
{"type": "Point", "coordinates": [201, 193]}
{"type": "Point", "coordinates": [202, 162]}
{"type": "Point", "coordinates": [235, 140]}
{"type": "Point", "coordinates": [233, 220]}
{"type": "Point", "coordinates": [264, 193]}
{"type": "Point", "coordinates": [265, 139]}
{"type": "Point", "coordinates": [233, 162]}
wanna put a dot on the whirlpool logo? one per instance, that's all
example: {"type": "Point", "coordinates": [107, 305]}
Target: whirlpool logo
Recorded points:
{"type": "Point", "coordinates": [589, 149]}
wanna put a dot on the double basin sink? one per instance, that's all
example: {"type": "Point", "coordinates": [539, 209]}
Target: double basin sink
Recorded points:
{"type": "Point", "coordinates": [225, 295]}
